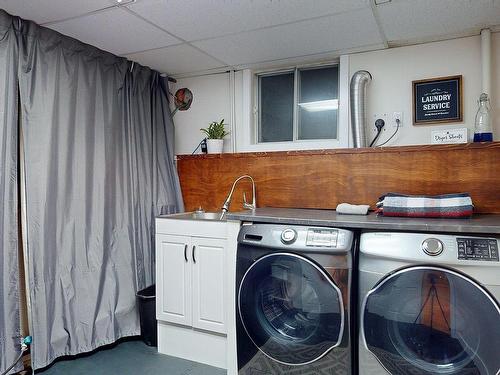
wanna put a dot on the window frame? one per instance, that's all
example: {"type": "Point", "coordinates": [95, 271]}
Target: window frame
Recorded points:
{"type": "Point", "coordinates": [247, 134]}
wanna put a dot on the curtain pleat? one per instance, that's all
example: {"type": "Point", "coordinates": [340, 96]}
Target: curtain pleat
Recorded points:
{"type": "Point", "coordinates": [99, 168]}
{"type": "Point", "coordinates": [9, 243]}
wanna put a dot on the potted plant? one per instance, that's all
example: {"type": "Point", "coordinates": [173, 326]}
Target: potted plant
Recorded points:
{"type": "Point", "coordinates": [215, 134]}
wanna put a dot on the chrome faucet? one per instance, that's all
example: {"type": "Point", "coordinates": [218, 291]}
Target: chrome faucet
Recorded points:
{"type": "Point", "coordinates": [246, 205]}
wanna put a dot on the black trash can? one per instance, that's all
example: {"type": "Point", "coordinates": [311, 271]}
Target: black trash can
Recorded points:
{"type": "Point", "coordinates": [147, 313]}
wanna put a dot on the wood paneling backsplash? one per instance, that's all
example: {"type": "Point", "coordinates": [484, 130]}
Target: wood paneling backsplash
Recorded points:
{"type": "Point", "coordinates": [322, 179]}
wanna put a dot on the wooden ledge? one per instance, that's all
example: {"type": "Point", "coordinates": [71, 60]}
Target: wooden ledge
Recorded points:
{"type": "Point", "coordinates": [365, 150]}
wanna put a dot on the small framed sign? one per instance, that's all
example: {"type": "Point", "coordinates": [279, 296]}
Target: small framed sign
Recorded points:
{"type": "Point", "coordinates": [446, 136]}
{"type": "Point", "coordinates": [437, 100]}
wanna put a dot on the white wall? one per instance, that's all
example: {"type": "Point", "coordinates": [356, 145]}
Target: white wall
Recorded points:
{"type": "Point", "coordinates": [392, 69]}
{"type": "Point", "coordinates": [210, 103]}
{"type": "Point", "coordinates": [495, 84]}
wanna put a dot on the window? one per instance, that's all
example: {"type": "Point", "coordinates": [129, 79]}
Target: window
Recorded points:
{"type": "Point", "coordinates": [298, 105]}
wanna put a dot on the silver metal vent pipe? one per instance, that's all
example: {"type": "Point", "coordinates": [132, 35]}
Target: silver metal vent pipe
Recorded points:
{"type": "Point", "coordinates": [358, 105]}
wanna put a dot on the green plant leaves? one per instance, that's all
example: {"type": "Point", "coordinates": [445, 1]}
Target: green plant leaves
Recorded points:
{"type": "Point", "coordinates": [215, 130]}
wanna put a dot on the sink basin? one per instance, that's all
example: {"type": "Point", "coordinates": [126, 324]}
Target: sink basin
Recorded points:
{"type": "Point", "coordinates": [211, 216]}
{"type": "Point", "coordinates": [206, 215]}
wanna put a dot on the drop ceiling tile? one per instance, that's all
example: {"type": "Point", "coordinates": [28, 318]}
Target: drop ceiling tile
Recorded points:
{"type": "Point", "coordinates": [407, 20]}
{"type": "Point", "coordinates": [42, 11]}
{"type": "Point", "coordinates": [176, 59]}
{"type": "Point", "coordinates": [115, 30]}
{"type": "Point", "coordinates": [333, 33]}
{"type": "Point", "coordinates": [201, 19]}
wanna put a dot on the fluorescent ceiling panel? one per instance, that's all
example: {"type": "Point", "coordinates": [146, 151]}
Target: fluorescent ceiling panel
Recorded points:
{"type": "Point", "coordinates": [320, 105]}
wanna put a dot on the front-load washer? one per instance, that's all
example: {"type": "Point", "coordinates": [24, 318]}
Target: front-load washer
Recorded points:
{"type": "Point", "coordinates": [429, 304]}
{"type": "Point", "coordinates": [293, 300]}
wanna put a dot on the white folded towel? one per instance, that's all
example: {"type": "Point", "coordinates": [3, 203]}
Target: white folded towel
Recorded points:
{"type": "Point", "coordinates": [353, 209]}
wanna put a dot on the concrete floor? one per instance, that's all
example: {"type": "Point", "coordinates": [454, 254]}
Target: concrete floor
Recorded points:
{"type": "Point", "coordinates": [129, 358]}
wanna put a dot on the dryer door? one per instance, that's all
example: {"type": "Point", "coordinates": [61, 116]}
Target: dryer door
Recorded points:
{"type": "Point", "coordinates": [290, 308]}
{"type": "Point", "coordinates": [430, 320]}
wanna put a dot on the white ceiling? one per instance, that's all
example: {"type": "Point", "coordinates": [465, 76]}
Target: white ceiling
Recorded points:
{"type": "Point", "coordinates": [182, 37]}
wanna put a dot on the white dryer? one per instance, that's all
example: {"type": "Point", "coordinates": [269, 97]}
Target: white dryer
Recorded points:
{"type": "Point", "coordinates": [428, 304]}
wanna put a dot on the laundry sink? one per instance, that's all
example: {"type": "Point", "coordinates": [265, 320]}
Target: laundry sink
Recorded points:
{"type": "Point", "coordinates": [206, 215]}
{"type": "Point", "coordinates": [197, 215]}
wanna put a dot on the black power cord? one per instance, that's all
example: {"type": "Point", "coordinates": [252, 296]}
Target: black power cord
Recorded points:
{"type": "Point", "coordinates": [398, 122]}
{"type": "Point", "coordinates": [204, 140]}
{"type": "Point", "coordinates": [379, 124]}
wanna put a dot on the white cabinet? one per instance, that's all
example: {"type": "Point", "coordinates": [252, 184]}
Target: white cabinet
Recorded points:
{"type": "Point", "coordinates": [195, 308]}
{"type": "Point", "coordinates": [191, 281]}
{"type": "Point", "coordinates": [208, 281]}
{"type": "Point", "coordinates": [174, 274]}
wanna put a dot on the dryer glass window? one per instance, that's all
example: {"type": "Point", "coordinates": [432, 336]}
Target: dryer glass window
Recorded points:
{"type": "Point", "coordinates": [425, 320]}
{"type": "Point", "coordinates": [290, 308]}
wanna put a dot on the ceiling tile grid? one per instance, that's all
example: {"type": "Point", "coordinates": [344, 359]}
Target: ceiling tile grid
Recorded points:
{"type": "Point", "coordinates": [178, 59]}
{"type": "Point", "coordinates": [115, 30]}
{"type": "Point", "coordinates": [332, 33]}
{"type": "Point", "coordinates": [184, 36]}
{"type": "Point", "coordinates": [43, 11]}
{"type": "Point", "coordinates": [407, 20]}
{"type": "Point", "coordinates": [202, 19]}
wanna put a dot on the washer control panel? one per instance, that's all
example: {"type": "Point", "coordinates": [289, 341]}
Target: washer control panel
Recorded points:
{"type": "Point", "coordinates": [319, 237]}
{"type": "Point", "coordinates": [297, 238]}
{"type": "Point", "coordinates": [477, 249]}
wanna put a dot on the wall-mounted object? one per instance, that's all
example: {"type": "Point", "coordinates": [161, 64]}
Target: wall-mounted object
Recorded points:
{"type": "Point", "coordinates": [437, 100]}
{"type": "Point", "coordinates": [448, 136]}
{"type": "Point", "coordinates": [182, 100]}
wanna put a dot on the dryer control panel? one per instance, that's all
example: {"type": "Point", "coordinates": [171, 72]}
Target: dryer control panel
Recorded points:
{"type": "Point", "coordinates": [477, 249]}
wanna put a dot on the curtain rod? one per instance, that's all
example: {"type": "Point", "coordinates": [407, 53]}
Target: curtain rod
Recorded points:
{"type": "Point", "coordinates": [170, 79]}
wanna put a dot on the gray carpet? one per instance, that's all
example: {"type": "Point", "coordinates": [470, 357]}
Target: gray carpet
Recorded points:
{"type": "Point", "coordinates": [129, 358]}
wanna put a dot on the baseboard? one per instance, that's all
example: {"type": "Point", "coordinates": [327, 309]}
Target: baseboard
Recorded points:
{"type": "Point", "coordinates": [193, 345]}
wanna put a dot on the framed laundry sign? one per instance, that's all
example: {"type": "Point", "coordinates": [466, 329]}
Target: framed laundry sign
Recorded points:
{"type": "Point", "coordinates": [437, 100]}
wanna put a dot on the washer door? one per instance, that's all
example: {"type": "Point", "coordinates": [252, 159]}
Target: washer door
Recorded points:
{"type": "Point", "coordinates": [290, 308]}
{"type": "Point", "coordinates": [427, 320]}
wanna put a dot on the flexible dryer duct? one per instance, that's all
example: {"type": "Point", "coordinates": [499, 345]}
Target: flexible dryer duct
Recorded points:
{"type": "Point", "coordinates": [358, 98]}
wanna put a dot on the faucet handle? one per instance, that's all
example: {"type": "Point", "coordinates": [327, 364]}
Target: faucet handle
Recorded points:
{"type": "Point", "coordinates": [246, 205]}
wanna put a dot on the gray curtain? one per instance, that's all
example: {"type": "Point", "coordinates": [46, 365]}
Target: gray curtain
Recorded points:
{"type": "Point", "coordinates": [99, 168]}
{"type": "Point", "coordinates": [9, 271]}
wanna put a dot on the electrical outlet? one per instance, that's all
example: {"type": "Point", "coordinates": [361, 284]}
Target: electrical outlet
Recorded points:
{"type": "Point", "coordinates": [383, 116]}
{"type": "Point", "coordinates": [396, 116]}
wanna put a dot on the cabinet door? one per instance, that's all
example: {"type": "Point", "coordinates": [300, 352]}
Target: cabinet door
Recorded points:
{"type": "Point", "coordinates": [173, 279]}
{"type": "Point", "coordinates": [209, 291]}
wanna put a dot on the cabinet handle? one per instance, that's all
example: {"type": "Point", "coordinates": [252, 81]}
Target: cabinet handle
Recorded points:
{"type": "Point", "coordinates": [194, 259]}
{"type": "Point", "coordinates": [185, 252]}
